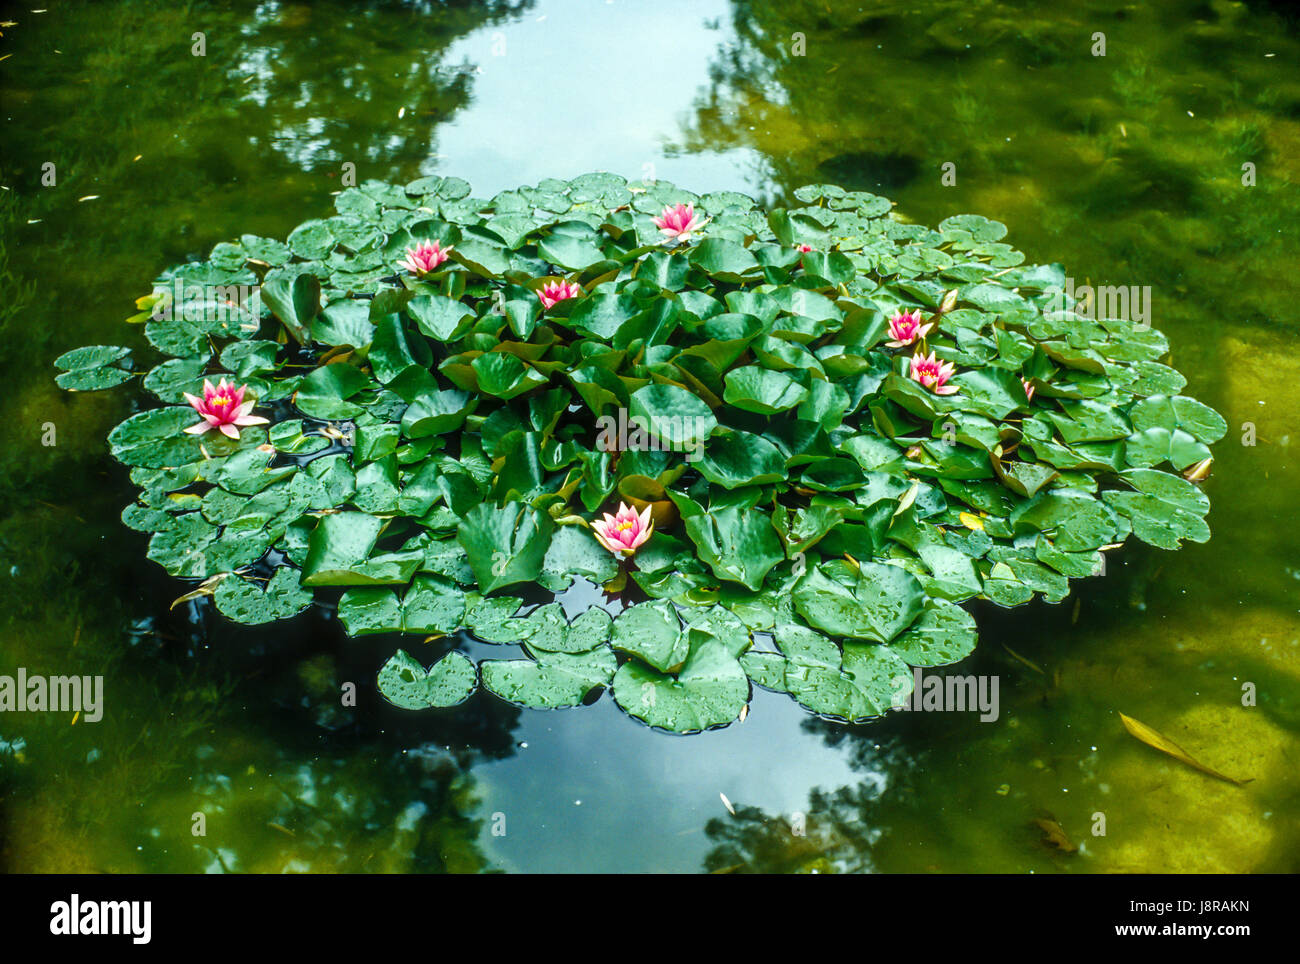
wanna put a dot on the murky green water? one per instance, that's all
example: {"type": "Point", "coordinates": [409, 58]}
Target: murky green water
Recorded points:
{"type": "Point", "coordinates": [1125, 167]}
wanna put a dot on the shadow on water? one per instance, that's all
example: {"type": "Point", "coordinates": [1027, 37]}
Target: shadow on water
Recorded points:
{"type": "Point", "coordinates": [1126, 168]}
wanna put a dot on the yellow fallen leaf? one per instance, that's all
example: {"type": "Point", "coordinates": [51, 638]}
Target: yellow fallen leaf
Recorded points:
{"type": "Point", "coordinates": [1155, 739]}
{"type": "Point", "coordinates": [205, 588]}
{"type": "Point", "coordinates": [971, 521]}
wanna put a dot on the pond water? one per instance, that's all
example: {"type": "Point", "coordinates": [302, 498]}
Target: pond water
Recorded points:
{"type": "Point", "coordinates": [1127, 168]}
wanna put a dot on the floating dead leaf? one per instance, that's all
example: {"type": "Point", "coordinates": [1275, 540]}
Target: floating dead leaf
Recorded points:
{"type": "Point", "coordinates": [744, 712]}
{"type": "Point", "coordinates": [88, 197]}
{"type": "Point", "coordinates": [973, 522]}
{"type": "Point", "coordinates": [1200, 471]}
{"type": "Point", "coordinates": [1054, 834]}
{"type": "Point", "coordinates": [727, 803]}
{"type": "Point", "coordinates": [206, 588]}
{"type": "Point", "coordinates": [1159, 741]}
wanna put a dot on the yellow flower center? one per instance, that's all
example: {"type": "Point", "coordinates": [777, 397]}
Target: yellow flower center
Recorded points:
{"type": "Point", "coordinates": [624, 526]}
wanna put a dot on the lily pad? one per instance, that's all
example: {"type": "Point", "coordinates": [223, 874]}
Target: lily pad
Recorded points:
{"type": "Point", "coordinates": [406, 683]}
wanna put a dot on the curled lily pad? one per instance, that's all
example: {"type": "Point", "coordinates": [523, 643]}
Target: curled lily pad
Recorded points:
{"type": "Point", "coordinates": [652, 632]}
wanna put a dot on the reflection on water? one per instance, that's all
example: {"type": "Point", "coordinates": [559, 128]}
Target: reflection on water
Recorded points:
{"type": "Point", "coordinates": [1127, 168]}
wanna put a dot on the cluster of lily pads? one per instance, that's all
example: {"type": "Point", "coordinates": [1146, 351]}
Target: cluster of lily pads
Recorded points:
{"type": "Point", "coordinates": [843, 425]}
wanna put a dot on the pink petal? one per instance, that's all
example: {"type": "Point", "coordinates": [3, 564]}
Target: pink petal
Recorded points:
{"type": "Point", "coordinates": [229, 431]}
{"type": "Point", "coordinates": [198, 429]}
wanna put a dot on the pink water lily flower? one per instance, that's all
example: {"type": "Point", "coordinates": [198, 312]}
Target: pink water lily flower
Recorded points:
{"type": "Point", "coordinates": [905, 328]}
{"type": "Point", "coordinates": [554, 291]}
{"type": "Point", "coordinates": [1029, 389]}
{"type": "Point", "coordinates": [222, 408]}
{"type": "Point", "coordinates": [803, 248]}
{"type": "Point", "coordinates": [424, 257]}
{"type": "Point", "coordinates": [677, 221]}
{"type": "Point", "coordinates": [933, 374]}
{"type": "Point", "coordinates": [626, 532]}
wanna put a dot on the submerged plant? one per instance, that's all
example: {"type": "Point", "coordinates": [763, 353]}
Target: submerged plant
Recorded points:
{"type": "Point", "coordinates": [833, 427]}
